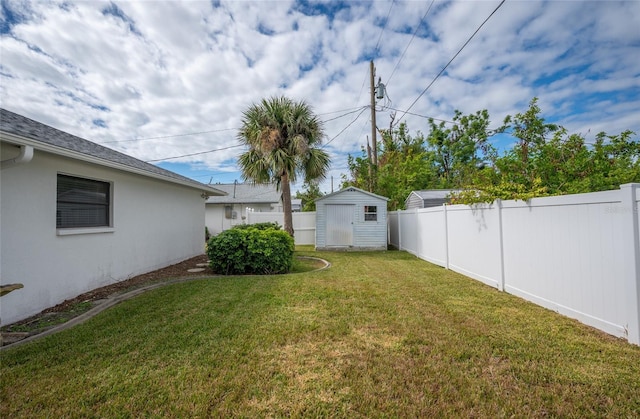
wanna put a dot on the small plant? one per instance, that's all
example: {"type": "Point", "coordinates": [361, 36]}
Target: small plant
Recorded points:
{"type": "Point", "coordinates": [251, 249]}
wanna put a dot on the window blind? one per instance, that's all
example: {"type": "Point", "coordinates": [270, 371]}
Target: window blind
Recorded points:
{"type": "Point", "coordinates": [82, 202]}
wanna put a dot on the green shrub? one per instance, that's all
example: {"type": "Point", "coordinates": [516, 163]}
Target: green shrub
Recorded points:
{"type": "Point", "coordinates": [259, 226]}
{"type": "Point", "coordinates": [246, 250]}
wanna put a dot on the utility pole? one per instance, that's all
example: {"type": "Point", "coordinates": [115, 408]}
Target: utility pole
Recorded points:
{"type": "Point", "coordinates": [370, 183]}
{"type": "Point", "coordinates": [374, 142]}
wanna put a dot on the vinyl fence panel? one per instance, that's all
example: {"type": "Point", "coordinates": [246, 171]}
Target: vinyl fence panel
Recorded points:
{"type": "Point", "coordinates": [431, 246]}
{"type": "Point", "coordinates": [564, 254]}
{"type": "Point", "coordinates": [304, 224]}
{"type": "Point", "coordinates": [474, 242]}
{"type": "Point", "coordinates": [577, 254]}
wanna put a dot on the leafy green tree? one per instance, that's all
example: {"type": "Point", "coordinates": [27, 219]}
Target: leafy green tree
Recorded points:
{"type": "Point", "coordinates": [310, 192]}
{"type": "Point", "coordinates": [284, 139]}
{"type": "Point", "coordinates": [403, 165]}
{"type": "Point", "coordinates": [460, 150]}
{"type": "Point", "coordinates": [546, 160]}
{"type": "Point", "coordinates": [615, 161]}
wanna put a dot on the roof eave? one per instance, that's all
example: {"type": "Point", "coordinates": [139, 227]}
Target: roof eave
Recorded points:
{"type": "Point", "coordinates": [60, 151]}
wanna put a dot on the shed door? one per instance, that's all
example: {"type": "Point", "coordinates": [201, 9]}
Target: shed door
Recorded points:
{"type": "Point", "coordinates": [339, 225]}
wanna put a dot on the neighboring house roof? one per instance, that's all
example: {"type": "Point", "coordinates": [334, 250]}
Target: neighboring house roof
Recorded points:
{"type": "Point", "coordinates": [351, 189]}
{"type": "Point", "coordinates": [434, 193]}
{"type": "Point", "coordinates": [20, 130]}
{"type": "Point", "coordinates": [245, 193]}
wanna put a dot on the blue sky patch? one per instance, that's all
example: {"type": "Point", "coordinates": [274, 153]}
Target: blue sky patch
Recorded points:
{"type": "Point", "coordinates": [100, 123]}
{"type": "Point", "coordinates": [330, 9]}
{"type": "Point", "coordinates": [113, 10]}
{"type": "Point", "coordinates": [11, 17]}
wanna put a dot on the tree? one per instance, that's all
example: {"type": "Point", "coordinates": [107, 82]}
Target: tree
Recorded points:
{"type": "Point", "coordinates": [461, 149]}
{"type": "Point", "coordinates": [311, 192]}
{"type": "Point", "coordinates": [403, 166]}
{"type": "Point", "coordinates": [284, 139]}
{"type": "Point", "coordinates": [546, 160]}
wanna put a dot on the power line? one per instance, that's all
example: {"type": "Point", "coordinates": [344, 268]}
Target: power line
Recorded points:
{"type": "Point", "coordinates": [345, 114]}
{"type": "Point", "coordinates": [357, 108]}
{"type": "Point", "coordinates": [221, 130]}
{"type": "Point", "coordinates": [345, 128]}
{"type": "Point", "coordinates": [170, 136]}
{"type": "Point", "coordinates": [423, 116]}
{"type": "Point", "coordinates": [410, 41]}
{"type": "Point", "coordinates": [196, 154]}
{"type": "Point", "coordinates": [451, 60]}
{"type": "Point", "coordinates": [364, 80]}
{"type": "Point", "coordinates": [383, 28]}
{"type": "Point", "coordinates": [361, 109]}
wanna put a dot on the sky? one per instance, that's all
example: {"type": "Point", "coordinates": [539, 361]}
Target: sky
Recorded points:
{"type": "Point", "coordinates": [167, 81]}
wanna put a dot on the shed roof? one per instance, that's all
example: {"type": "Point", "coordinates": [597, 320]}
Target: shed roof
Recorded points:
{"type": "Point", "coordinates": [21, 130]}
{"type": "Point", "coordinates": [352, 189]}
{"type": "Point", "coordinates": [434, 193]}
{"type": "Point", "coordinates": [245, 193]}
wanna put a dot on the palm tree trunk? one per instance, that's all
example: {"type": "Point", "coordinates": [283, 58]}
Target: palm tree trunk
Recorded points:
{"type": "Point", "coordinates": [286, 203]}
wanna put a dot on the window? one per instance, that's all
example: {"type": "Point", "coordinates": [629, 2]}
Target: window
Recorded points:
{"type": "Point", "coordinates": [82, 203]}
{"type": "Point", "coordinates": [370, 213]}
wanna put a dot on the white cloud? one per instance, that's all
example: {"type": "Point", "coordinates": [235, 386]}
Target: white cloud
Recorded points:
{"type": "Point", "coordinates": [135, 69]}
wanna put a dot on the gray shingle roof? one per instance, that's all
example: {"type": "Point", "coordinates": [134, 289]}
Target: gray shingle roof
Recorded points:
{"type": "Point", "coordinates": [245, 193]}
{"type": "Point", "coordinates": [435, 193]}
{"type": "Point", "coordinates": [24, 127]}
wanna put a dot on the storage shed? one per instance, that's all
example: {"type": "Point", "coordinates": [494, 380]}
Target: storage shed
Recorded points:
{"type": "Point", "coordinates": [428, 198]}
{"type": "Point", "coordinates": [351, 219]}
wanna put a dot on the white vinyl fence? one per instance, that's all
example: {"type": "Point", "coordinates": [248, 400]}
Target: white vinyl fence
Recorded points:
{"type": "Point", "coordinates": [304, 224]}
{"type": "Point", "coordinates": [576, 254]}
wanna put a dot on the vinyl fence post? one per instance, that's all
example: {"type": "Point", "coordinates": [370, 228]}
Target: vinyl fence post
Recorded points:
{"type": "Point", "coordinates": [632, 257]}
{"type": "Point", "coordinates": [446, 237]}
{"type": "Point", "coordinates": [399, 230]}
{"type": "Point", "coordinates": [501, 280]}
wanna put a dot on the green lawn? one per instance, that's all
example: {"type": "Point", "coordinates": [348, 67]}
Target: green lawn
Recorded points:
{"type": "Point", "coordinates": [376, 335]}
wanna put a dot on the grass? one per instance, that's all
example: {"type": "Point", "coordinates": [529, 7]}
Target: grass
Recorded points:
{"type": "Point", "coordinates": [377, 335]}
{"type": "Point", "coordinates": [51, 319]}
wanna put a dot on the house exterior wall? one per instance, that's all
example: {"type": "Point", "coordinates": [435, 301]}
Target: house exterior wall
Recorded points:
{"type": "Point", "coordinates": [154, 224]}
{"type": "Point", "coordinates": [217, 222]}
{"type": "Point", "coordinates": [367, 235]}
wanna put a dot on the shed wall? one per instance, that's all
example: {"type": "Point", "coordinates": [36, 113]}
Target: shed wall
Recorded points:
{"type": "Point", "coordinates": [366, 234]}
{"type": "Point", "coordinates": [414, 201]}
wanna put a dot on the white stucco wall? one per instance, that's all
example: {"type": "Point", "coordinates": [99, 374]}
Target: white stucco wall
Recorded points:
{"type": "Point", "coordinates": [155, 224]}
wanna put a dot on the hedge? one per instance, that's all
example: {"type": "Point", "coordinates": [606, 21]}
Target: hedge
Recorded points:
{"type": "Point", "coordinates": [264, 250]}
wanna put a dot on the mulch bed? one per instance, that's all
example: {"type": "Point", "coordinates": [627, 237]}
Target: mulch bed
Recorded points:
{"type": "Point", "coordinates": [179, 270]}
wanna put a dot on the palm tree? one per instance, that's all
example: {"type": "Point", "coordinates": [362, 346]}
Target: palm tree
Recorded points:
{"type": "Point", "coordinates": [284, 139]}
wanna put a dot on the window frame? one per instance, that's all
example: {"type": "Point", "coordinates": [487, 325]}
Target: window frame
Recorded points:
{"type": "Point", "coordinates": [65, 225]}
{"type": "Point", "coordinates": [370, 215]}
